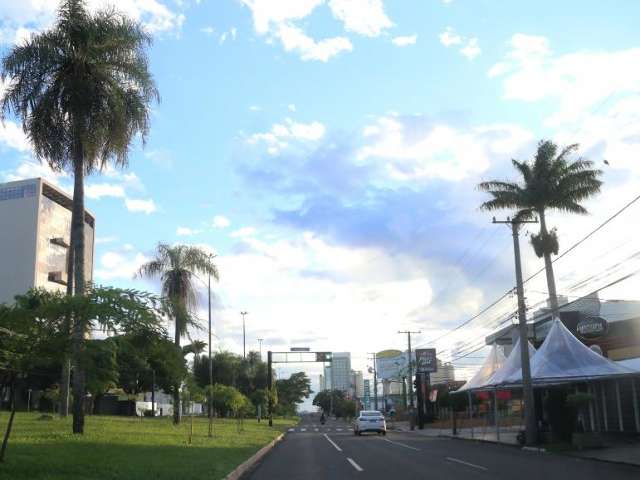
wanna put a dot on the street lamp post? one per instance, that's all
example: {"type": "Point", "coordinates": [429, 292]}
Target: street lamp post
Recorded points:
{"type": "Point", "coordinates": [244, 337]}
{"type": "Point", "coordinates": [260, 347]}
{"type": "Point", "coordinates": [210, 402]}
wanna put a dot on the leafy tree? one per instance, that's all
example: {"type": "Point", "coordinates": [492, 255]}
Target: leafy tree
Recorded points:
{"type": "Point", "coordinates": [83, 91]}
{"type": "Point", "coordinates": [177, 266]}
{"type": "Point", "coordinates": [228, 400]}
{"type": "Point", "coordinates": [100, 366]}
{"type": "Point", "coordinates": [552, 181]}
{"type": "Point", "coordinates": [291, 392]}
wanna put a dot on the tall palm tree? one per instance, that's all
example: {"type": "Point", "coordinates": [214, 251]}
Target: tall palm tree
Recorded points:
{"type": "Point", "coordinates": [552, 181]}
{"type": "Point", "coordinates": [176, 267]}
{"type": "Point", "coordinates": [83, 91]}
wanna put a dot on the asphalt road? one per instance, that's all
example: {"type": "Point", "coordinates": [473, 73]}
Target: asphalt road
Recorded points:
{"type": "Point", "coordinates": [331, 451]}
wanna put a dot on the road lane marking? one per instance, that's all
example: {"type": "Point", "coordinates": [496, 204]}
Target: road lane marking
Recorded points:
{"type": "Point", "coordinates": [315, 429]}
{"type": "Point", "coordinates": [355, 465]}
{"type": "Point", "coordinates": [402, 445]}
{"type": "Point", "coordinates": [292, 429]}
{"type": "Point", "coordinates": [480, 467]}
{"type": "Point", "coordinates": [332, 442]}
{"type": "Point", "coordinates": [338, 429]}
{"type": "Point", "coordinates": [303, 429]}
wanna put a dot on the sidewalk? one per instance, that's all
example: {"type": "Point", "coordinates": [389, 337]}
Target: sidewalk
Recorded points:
{"type": "Point", "coordinates": [628, 453]}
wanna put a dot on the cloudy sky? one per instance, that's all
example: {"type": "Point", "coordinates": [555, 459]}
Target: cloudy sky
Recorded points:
{"type": "Point", "coordinates": [328, 152]}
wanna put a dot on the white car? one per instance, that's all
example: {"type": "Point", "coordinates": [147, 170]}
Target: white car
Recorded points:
{"type": "Point", "coordinates": [370, 421]}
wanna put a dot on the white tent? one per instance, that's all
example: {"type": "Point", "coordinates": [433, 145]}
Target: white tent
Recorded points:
{"type": "Point", "coordinates": [511, 366]}
{"type": "Point", "coordinates": [563, 358]}
{"type": "Point", "coordinates": [492, 363]}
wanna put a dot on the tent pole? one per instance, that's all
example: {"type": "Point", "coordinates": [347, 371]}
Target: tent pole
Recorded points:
{"type": "Point", "coordinates": [495, 413]}
{"type": "Point", "coordinates": [604, 407]}
{"type": "Point", "coordinates": [591, 419]}
{"type": "Point", "coordinates": [470, 412]}
{"type": "Point", "coordinates": [634, 394]}
{"type": "Point", "coordinates": [618, 403]}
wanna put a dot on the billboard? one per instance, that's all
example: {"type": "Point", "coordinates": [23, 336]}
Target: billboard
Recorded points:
{"type": "Point", "coordinates": [391, 364]}
{"type": "Point", "coordinates": [426, 361]}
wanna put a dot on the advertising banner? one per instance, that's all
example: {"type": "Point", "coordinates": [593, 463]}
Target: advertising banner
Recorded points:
{"type": "Point", "coordinates": [426, 360]}
{"type": "Point", "coordinates": [391, 364]}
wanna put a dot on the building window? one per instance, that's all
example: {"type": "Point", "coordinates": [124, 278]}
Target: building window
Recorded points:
{"type": "Point", "coordinates": [21, 191]}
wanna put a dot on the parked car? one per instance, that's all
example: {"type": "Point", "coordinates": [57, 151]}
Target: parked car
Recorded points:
{"type": "Point", "coordinates": [370, 421]}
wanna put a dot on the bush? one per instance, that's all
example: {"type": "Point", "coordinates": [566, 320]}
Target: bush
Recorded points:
{"type": "Point", "coordinates": [561, 414]}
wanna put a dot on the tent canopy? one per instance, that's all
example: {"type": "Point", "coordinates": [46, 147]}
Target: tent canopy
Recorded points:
{"type": "Point", "coordinates": [492, 363]}
{"type": "Point", "coordinates": [562, 358]}
{"type": "Point", "coordinates": [511, 366]}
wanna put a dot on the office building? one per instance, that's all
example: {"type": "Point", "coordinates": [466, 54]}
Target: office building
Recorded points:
{"type": "Point", "coordinates": [34, 239]}
{"type": "Point", "coordinates": [357, 383]}
{"type": "Point", "coordinates": [341, 371]}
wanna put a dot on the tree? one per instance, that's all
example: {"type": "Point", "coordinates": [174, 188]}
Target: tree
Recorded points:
{"type": "Point", "coordinates": [291, 392]}
{"type": "Point", "coordinates": [552, 181]}
{"type": "Point", "coordinates": [176, 266]}
{"type": "Point", "coordinates": [83, 91]}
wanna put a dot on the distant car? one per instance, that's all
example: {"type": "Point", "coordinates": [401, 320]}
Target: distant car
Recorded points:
{"type": "Point", "coordinates": [370, 421]}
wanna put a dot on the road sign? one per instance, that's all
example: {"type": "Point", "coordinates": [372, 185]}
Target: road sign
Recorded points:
{"type": "Point", "coordinates": [300, 349]}
{"type": "Point", "coordinates": [323, 356]}
{"type": "Point", "coordinates": [426, 361]}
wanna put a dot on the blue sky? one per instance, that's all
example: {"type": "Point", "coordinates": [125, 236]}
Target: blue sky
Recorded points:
{"type": "Point", "coordinates": [328, 152]}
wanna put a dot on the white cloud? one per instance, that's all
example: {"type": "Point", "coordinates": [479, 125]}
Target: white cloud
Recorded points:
{"type": "Point", "coordinates": [471, 50]}
{"type": "Point", "coordinates": [281, 134]}
{"type": "Point", "coordinates": [449, 37]}
{"type": "Point", "coordinates": [220, 221]}
{"type": "Point", "coordinates": [291, 107]}
{"type": "Point", "coordinates": [579, 82]}
{"type": "Point", "coordinates": [33, 169]}
{"type": "Point", "coordinates": [409, 148]}
{"type": "Point", "coordinates": [470, 47]}
{"type": "Point", "coordinates": [295, 40]}
{"type": "Point", "coordinates": [208, 30]}
{"type": "Point", "coordinates": [186, 232]}
{"type": "Point", "coordinates": [20, 18]}
{"type": "Point", "coordinates": [267, 13]}
{"type": "Point", "coordinates": [365, 17]}
{"type": "Point", "coordinates": [243, 232]}
{"type": "Point", "coordinates": [98, 190]}
{"type": "Point", "coordinates": [254, 108]}
{"type": "Point", "coordinates": [404, 41]}
{"type": "Point", "coordinates": [118, 265]}
{"type": "Point", "coordinates": [138, 205]}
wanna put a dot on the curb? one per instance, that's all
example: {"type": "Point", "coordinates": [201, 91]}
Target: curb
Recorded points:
{"type": "Point", "coordinates": [249, 464]}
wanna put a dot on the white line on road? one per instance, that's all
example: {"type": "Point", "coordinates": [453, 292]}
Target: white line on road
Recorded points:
{"type": "Point", "coordinates": [451, 459]}
{"type": "Point", "coordinates": [292, 429]}
{"type": "Point", "coordinates": [402, 445]}
{"type": "Point", "coordinates": [355, 465]}
{"type": "Point", "coordinates": [338, 429]}
{"type": "Point", "coordinates": [303, 429]}
{"type": "Point", "coordinates": [315, 429]}
{"type": "Point", "coordinates": [332, 442]}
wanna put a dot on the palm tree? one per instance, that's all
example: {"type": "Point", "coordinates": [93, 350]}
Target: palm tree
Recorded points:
{"type": "Point", "coordinates": [550, 182]}
{"type": "Point", "coordinates": [176, 267]}
{"type": "Point", "coordinates": [83, 91]}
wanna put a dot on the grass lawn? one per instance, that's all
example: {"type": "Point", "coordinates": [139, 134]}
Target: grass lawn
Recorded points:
{"type": "Point", "coordinates": [129, 448]}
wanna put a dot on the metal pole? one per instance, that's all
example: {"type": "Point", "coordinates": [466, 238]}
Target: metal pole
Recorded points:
{"type": "Point", "coordinates": [604, 407]}
{"type": "Point", "coordinates": [527, 387]}
{"type": "Point", "coordinates": [260, 347]}
{"type": "Point", "coordinates": [269, 389]}
{"type": "Point", "coordinates": [470, 412]}
{"type": "Point", "coordinates": [618, 403]}
{"type": "Point", "coordinates": [28, 400]}
{"type": "Point", "coordinates": [153, 393]}
{"type": "Point", "coordinates": [496, 413]}
{"type": "Point", "coordinates": [244, 338]}
{"type": "Point", "coordinates": [210, 399]}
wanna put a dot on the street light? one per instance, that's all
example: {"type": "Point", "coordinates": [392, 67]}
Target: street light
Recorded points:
{"type": "Point", "coordinates": [244, 338]}
{"type": "Point", "coordinates": [260, 346]}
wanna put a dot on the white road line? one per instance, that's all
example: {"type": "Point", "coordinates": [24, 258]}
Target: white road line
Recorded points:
{"type": "Point", "coordinates": [355, 465]}
{"type": "Point", "coordinates": [480, 467]}
{"type": "Point", "coordinates": [292, 429]}
{"type": "Point", "coordinates": [315, 429]}
{"type": "Point", "coordinates": [338, 429]}
{"type": "Point", "coordinates": [303, 429]}
{"type": "Point", "coordinates": [402, 445]}
{"type": "Point", "coordinates": [332, 442]}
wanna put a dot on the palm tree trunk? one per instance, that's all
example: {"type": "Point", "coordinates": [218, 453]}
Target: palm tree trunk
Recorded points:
{"type": "Point", "coordinates": [77, 240]}
{"type": "Point", "coordinates": [548, 267]}
{"type": "Point", "coordinates": [66, 361]}
{"type": "Point", "coordinates": [177, 414]}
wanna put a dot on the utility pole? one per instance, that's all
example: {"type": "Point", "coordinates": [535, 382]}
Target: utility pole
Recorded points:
{"type": "Point", "coordinates": [210, 402]}
{"type": "Point", "coordinates": [410, 367]}
{"type": "Point", "coordinates": [375, 381]}
{"type": "Point", "coordinates": [531, 433]}
{"type": "Point", "coordinates": [269, 389]}
{"type": "Point", "coordinates": [260, 347]}
{"type": "Point", "coordinates": [244, 337]}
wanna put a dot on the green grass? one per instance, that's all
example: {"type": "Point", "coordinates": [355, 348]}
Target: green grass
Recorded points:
{"type": "Point", "coordinates": [129, 448]}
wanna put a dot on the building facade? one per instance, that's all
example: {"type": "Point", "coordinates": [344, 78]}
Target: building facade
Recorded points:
{"type": "Point", "coordinates": [341, 371]}
{"type": "Point", "coordinates": [35, 236]}
{"type": "Point", "coordinates": [357, 383]}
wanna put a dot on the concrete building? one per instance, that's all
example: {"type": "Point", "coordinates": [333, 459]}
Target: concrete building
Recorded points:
{"type": "Point", "coordinates": [341, 371]}
{"type": "Point", "coordinates": [445, 374]}
{"type": "Point", "coordinates": [357, 383]}
{"type": "Point", "coordinates": [327, 377]}
{"type": "Point", "coordinates": [34, 238]}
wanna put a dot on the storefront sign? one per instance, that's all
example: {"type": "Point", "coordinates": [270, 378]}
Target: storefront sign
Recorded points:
{"type": "Point", "coordinates": [592, 327]}
{"type": "Point", "coordinates": [426, 360]}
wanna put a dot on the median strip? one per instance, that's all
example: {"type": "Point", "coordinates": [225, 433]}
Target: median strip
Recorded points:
{"type": "Point", "coordinates": [479, 467]}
